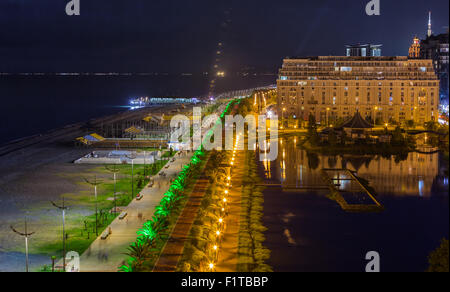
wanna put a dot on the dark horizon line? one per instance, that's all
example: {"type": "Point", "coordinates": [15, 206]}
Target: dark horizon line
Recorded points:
{"type": "Point", "coordinates": [186, 74]}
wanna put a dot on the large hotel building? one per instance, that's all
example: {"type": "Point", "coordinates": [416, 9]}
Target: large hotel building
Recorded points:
{"type": "Point", "coordinates": [382, 89]}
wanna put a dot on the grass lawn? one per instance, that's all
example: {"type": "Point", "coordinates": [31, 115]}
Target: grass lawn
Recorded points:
{"type": "Point", "coordinates": [80, 228]}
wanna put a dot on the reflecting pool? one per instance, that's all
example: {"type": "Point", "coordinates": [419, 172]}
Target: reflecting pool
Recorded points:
{"type": "Point", "coordinates": [309, 232]}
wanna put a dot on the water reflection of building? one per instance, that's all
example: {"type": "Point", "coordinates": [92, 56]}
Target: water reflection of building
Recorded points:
{"type": "Point", "coordinates": [413, 176]}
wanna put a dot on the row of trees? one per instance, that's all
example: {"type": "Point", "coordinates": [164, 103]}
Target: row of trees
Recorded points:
{"type": "Point", "coordinates": [146, 247]}
{"type": "Point", "coordinates": [202, 249]}
{"type": "Point", "coordinates": [252, 253]}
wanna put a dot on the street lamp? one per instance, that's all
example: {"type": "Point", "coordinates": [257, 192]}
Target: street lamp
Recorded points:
{"type": "Point", "coordinates": [95, 183]}
{"type": "Point", "coordinates": [132, 158]}
{"type": "Point", "coordinates": [375, 115]}
{"type": "Point", "coordinates": [211, 266]}
{"type": "Point", "coordinates": [25, 235]}
{"type": "Point", "coordinates": [328, 110]}
{"type": "Point", "coordinates": [63, 208]}
{"type": "Point", "coordinates": [145, 173]}
{"type": "Point", "coordinates": [114, 170]}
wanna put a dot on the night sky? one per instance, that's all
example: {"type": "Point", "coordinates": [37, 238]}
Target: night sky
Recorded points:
{"type": "Point", "coordinates": [181, 36]}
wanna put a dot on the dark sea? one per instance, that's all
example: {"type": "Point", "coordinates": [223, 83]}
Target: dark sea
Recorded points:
{"type": "Point", "coordinates": [35, 104]}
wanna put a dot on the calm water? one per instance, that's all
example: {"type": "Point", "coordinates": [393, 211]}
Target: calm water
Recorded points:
{"type": "Point", "coordinates": [308, 232]}
{"type": "Point", "coordinates": [33, 104]}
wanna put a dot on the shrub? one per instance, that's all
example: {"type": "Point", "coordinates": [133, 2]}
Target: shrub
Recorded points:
{"type": "Point", "coordinates": [438, 259]}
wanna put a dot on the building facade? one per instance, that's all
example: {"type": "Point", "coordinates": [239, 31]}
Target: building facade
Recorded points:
{"type": "Point", "coordinates": [436, 48]}
{"type": "Point", "coordinates": [381, 89]}
{"type": "Point", "coordinates": [414, 49]}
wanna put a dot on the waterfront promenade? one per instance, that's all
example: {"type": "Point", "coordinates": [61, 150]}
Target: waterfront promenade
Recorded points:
{"type": "Point", "coordinates": [107, 255]}
{"type": "Point", "coordinates": [173, 250]}
{"type": "Point", "coordinates": [229, 250]}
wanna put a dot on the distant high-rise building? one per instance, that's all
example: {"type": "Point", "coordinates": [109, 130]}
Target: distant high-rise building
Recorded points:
{"type": "Point", "coordinates": [436, 47]}
{"type": "Point", "coordinates": [366, 50]}
{"type": "Point", "coordinates": [414, 49]}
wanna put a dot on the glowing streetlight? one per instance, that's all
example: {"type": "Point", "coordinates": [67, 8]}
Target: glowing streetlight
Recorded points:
{"type": "Point", "coordinates": [328, 110]}
{"type": "Point", "coordinates": [282, 116]}
{"type": "Point", "coordinates": [374, 114]}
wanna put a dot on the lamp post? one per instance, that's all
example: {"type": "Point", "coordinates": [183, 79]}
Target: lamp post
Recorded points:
{"type": "Point", "coordinates": [414, 114]}
{"type": "Point", "coordinates": [95, 183]}
{"type": "Point", "coordinates": [25, 235]}
{"type": "Point", "coordinates": [328, 110]}
{"type": "Point", "coordinates": [375, 109]}
{"type": "Point", "coordinates": [63, 208]}
{"type": "Point", "coordinates": [114, 170]}
{"type": "Point", "coordinates": [132, 158]}
{"type": "Point", "coordinates": [145, 173]}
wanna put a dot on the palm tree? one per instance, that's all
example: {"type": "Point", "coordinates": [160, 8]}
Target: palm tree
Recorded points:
{"type": "Point", "coordinates": [138, 252]}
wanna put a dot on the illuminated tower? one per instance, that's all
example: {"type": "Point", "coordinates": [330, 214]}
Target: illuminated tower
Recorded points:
{"type": "Point", "coordinates": [414, 49]}
{"type": "Point", "coordinates": [430, 32]}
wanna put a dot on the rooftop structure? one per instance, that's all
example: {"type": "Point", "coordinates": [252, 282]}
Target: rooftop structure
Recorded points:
{"type": "Point", "coordinates": [414, 49]}
{"type": "Point", "coordinates": [430, 31]}
{"type": "Point", "coordinates": [366, 50]}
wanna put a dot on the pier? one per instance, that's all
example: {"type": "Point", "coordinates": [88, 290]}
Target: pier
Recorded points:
{"type": "Point", "coordinates": [349, 192]}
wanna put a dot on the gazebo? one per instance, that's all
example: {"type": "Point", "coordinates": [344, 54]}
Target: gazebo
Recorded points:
{"type": "Point", "coordinates": [357, 127]}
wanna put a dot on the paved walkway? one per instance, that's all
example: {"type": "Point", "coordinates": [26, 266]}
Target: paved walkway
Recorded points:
{"type": "Point", "coordinates": [107, 255]}
{"type": "Point", "coordinates": [228, 254]}
{"type": "Point", "coordinates": [173, 250]}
